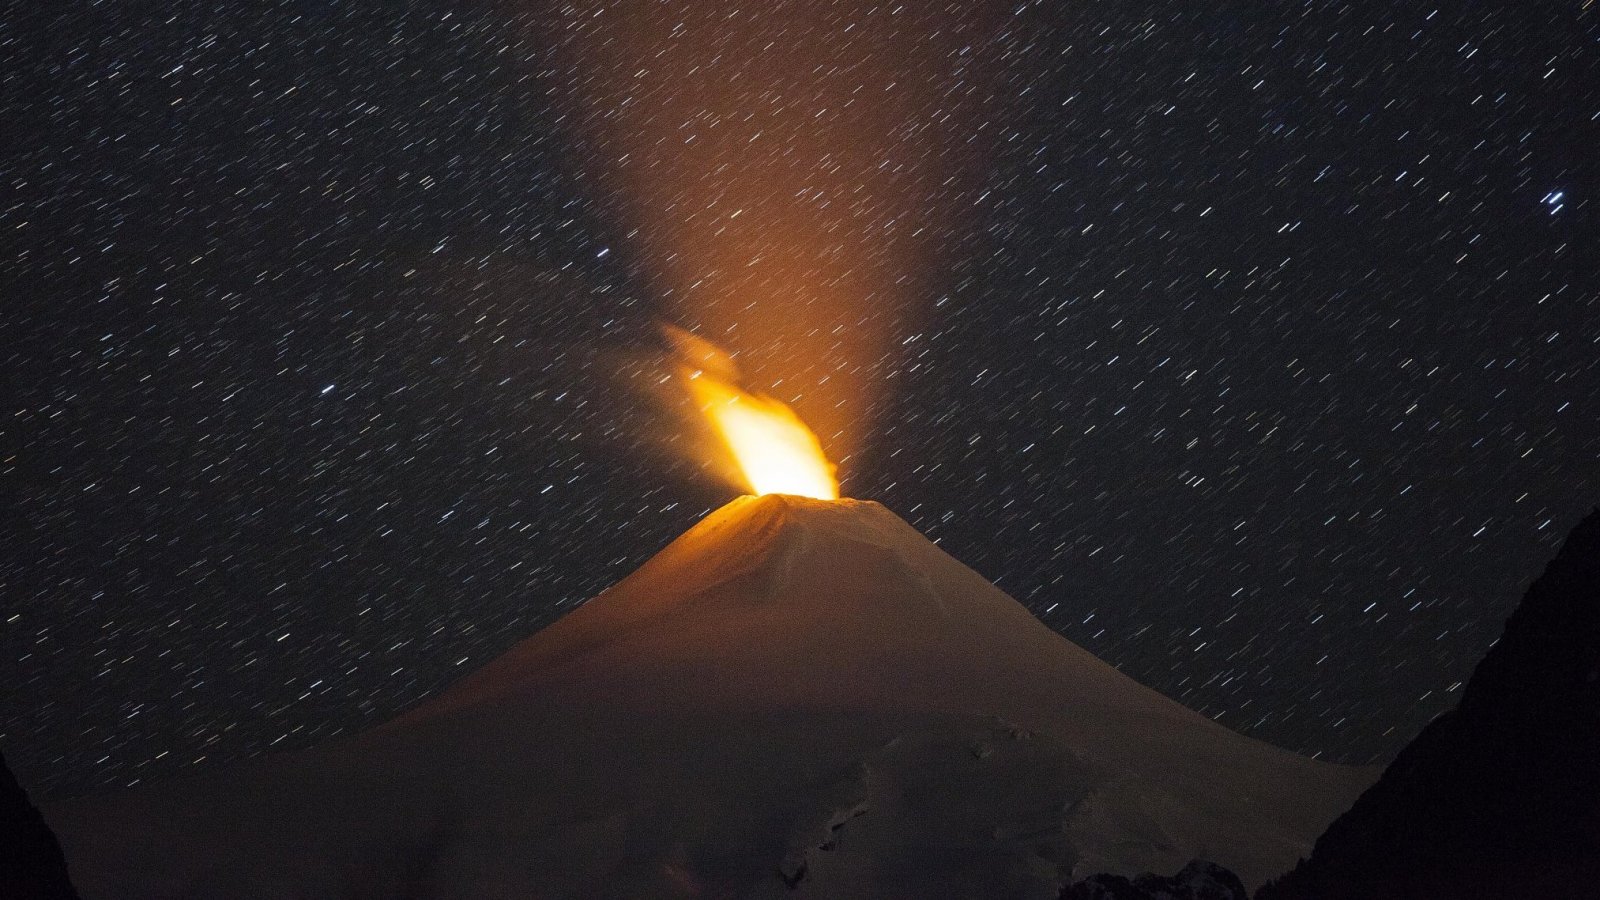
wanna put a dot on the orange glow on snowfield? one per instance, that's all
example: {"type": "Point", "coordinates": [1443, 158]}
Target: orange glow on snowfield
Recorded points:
{"type": "Point", "coordinates": [776, 452]}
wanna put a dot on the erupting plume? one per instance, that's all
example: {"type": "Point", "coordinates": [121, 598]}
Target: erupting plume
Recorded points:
{"type": "Point", "coordinates": [775, 452]}
{"type": "Point", "coordinates": [786, 174]}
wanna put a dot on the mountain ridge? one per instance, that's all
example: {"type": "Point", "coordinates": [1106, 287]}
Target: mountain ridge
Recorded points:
{"type": "Point", "coordinates": [795, 698]}
{"type": "Point", "coordinates": [772, 534]}
{"type": "Point", "coordinates": [1501, 795]}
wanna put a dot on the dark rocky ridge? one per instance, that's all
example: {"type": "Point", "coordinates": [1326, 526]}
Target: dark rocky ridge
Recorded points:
{"type": "Point", "coordinates": [1501, 796]}
{"type": "Point", "coordinates": [1199, 880]}
{"type": "Point", "coordinates": [31, 864]}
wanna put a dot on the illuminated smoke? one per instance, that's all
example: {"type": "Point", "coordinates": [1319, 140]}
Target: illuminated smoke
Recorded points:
{"type": "Point", "coordinates": [784, 171]}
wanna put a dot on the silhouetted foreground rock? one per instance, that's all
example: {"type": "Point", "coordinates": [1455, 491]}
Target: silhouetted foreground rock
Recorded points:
{"type": "Point", "coordinates": [31, 864]}
{"type": "Point", "coordinates": [1500, 797]}
{"type": "Point", "coordinates": [1199, 880]}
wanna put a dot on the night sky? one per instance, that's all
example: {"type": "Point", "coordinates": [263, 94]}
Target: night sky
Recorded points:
{"type": "Point", "coordinates": [1255, 347]}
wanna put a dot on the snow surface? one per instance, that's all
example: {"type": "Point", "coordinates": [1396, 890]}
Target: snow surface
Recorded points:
{"type": "Point", "coordinates": [797, 698]}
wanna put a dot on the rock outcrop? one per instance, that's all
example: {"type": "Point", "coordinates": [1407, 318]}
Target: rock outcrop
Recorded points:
{"type": "Point", "coordinates": [31, 864]}
{"type": "Point", "coordinates": [1501, 796]}
{"type": "Point", "coordinates": [1199, 880]}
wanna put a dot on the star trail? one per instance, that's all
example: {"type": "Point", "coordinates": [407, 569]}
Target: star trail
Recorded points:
{"type": "Point", "coordinates": [1255, 350]}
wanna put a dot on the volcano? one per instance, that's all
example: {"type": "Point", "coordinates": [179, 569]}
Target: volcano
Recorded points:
{"type": "Point", "coordinates": [796, 698]}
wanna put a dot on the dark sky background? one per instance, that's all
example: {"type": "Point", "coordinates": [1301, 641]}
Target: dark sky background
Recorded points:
{"type": "Point", "coordinates": [1255, 347]}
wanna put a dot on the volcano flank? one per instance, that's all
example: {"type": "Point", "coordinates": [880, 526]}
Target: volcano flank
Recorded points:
{"type": "Point", "coordinates": [795, 698]}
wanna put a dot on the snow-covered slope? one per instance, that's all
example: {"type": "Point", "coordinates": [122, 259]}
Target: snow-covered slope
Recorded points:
{"type": "Point", "coordinates": [796, 698]}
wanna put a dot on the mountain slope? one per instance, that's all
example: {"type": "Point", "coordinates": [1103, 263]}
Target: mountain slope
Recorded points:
{"type": "Point", "coordinates": [1501, 796]}
{"type": "Point", "coordinates": [796, 698]}
{"type": "Point", "coordinates": [31, 864]}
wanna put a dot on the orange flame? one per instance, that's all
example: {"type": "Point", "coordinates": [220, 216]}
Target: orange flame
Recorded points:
{"type": "Point", "coordinates": [776, 453]}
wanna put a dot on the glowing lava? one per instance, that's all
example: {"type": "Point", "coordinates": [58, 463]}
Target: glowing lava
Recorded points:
{"type": "Point", "coordinates": [776, 452]}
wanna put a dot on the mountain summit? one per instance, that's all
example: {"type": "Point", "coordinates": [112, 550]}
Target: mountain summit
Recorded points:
{"type": "Point", "coordinates": [795, 698]}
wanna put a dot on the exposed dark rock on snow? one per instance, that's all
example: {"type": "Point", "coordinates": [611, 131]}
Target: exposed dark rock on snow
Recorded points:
{"type": "Point", "coordinates": [979, 812]}
{"type": "Point", "coordinates": [1199, 880]}
{"type": "Point", "coordinates": [1501, 796]}
{"type": "Point", "coordinates": [31, 864]}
